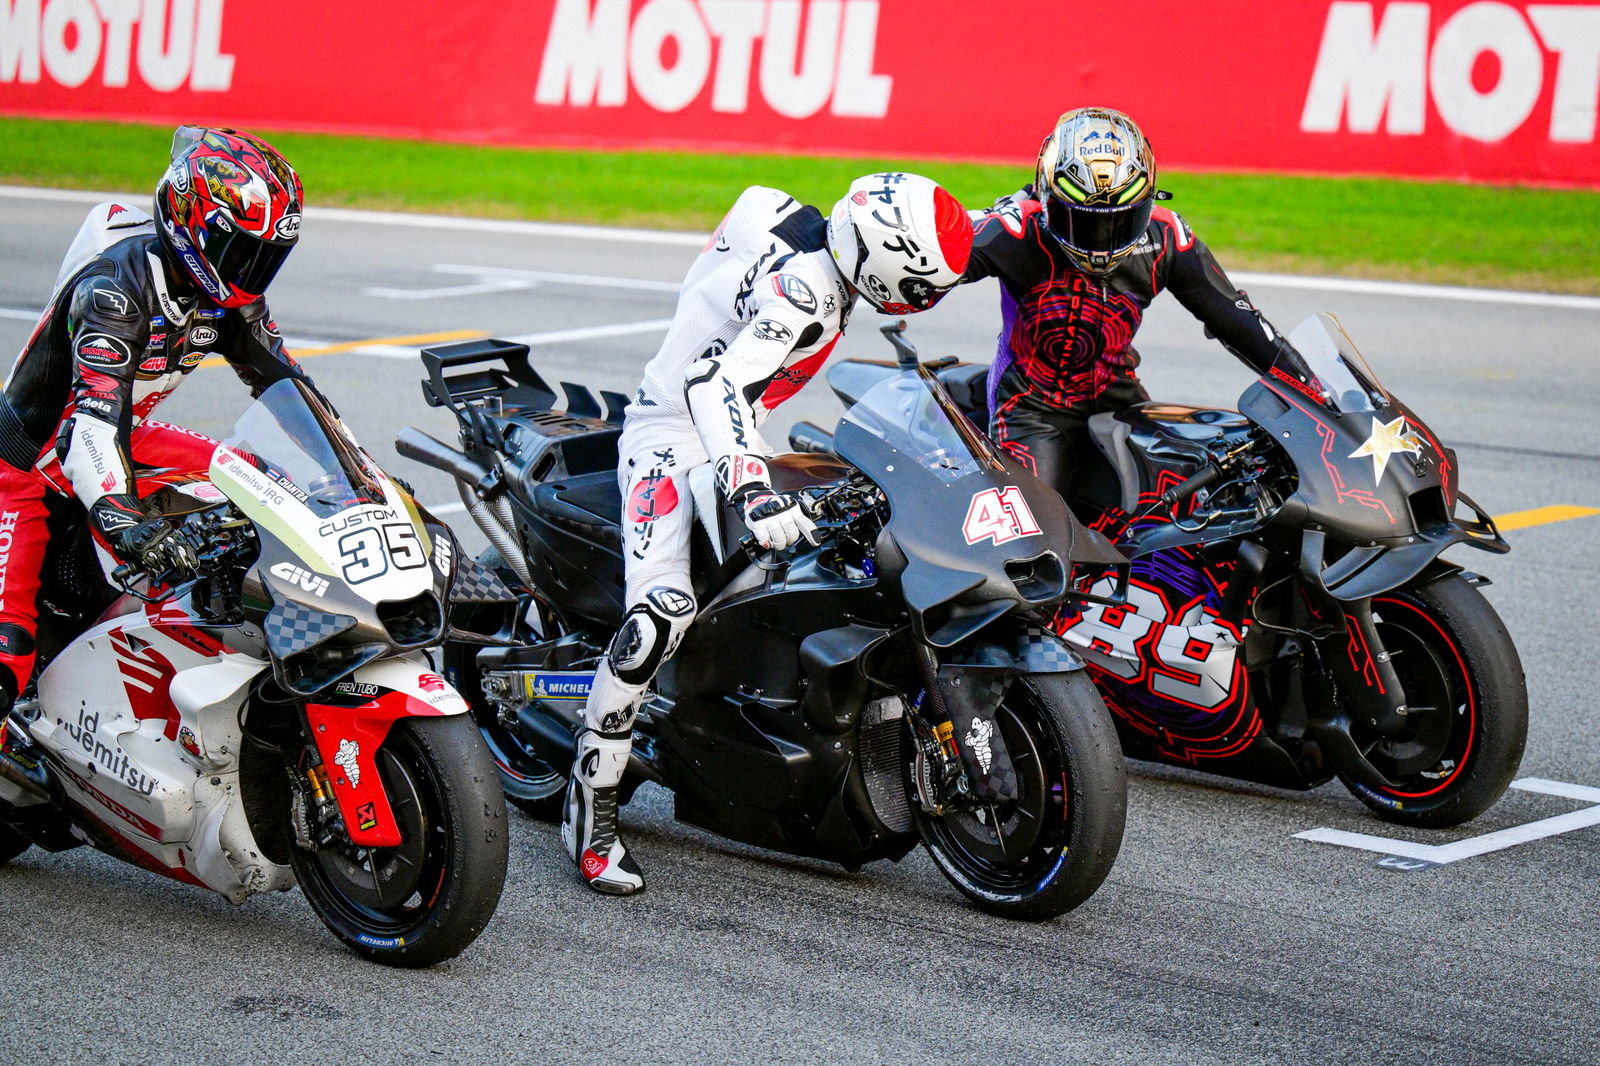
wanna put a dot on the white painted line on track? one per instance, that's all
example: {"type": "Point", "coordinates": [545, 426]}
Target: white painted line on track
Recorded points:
{"type": "Point", "coordinates": [1440, 854]}
{"type": "Point", "coordinates": [489, 279]}
{"type": "Point", "coordinates": [25, 316]}
{"type": "Point", "coordinates": [597, 280]}
{"type": "Point", "coordinates": [404, 218]}
{"type": "Point", "coordinates": [1404, 290]}
{"type": "Point", "coordinates": [1414, 291]}
{"type": "Point", "coordinates": [446, 508]}
{"type": "Point", "coordinates": [533, 340]}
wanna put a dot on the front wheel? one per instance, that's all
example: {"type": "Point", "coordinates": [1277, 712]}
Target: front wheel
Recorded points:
{"type": "Point", "coordinates": [1044, 853]}
{"type": "Point", "coordinates": [426, 899]}
{"type": "Point", "coordinates": [1467, 707]}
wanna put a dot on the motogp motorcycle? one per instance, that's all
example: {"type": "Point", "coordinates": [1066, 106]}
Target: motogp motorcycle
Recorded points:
{"type": "Point", "coordinates": [1288, 617]}
{"type": "Point", "coordinates": [272, 718]}
{"type": "Point", "coordinates": [843, 700]}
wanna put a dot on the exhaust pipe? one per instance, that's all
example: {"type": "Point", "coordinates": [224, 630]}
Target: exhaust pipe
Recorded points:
{"type": "Point", "coordinates": [470, 475]}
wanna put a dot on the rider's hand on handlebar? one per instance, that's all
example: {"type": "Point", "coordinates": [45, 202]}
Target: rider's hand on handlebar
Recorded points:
{"type": "Point", "coordinates": [157, 548]}
{"type": "Point", "coordinates": [777, 520]}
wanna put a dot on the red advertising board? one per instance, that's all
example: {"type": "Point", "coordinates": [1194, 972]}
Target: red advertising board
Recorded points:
{"type": "Point", "coordinates": [1482, 90]}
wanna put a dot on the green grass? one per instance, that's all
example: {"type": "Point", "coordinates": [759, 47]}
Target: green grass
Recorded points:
{"type": "Point", "coordinates": [1362, 227]}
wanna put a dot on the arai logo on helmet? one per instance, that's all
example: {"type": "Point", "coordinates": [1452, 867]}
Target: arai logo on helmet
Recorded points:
{"type": "Point", "coordinates": [288, 227]}
{"type": "Point", "coordinates": [201, 336]}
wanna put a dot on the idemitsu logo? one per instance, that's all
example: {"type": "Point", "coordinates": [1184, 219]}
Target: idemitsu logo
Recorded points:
{"type": "Point", "coordinates": [673, 47]}
{"type": "Point", "coordinates": [1371, 69]}
{"type": "Point", "coordinates": [67, 40]}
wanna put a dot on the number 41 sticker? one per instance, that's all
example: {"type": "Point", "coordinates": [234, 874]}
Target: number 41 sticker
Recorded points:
{"type": "Point", "coordinates": [999, 515]}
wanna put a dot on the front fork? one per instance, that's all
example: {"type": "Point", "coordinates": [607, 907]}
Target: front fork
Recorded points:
{"type": "Point", "coordinates": [962, 761]}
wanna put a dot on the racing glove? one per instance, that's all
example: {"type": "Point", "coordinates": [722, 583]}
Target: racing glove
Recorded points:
{"type": "Point", "coordinates": [155, 546]}
{"type": "Point", "coordinates": [776, 519]}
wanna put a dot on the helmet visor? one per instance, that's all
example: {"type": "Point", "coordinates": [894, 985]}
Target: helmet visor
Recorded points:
{"type": "Point", "coordinates": [243, 261]}
{"type": "Point", "coordinates": [1098, 230]}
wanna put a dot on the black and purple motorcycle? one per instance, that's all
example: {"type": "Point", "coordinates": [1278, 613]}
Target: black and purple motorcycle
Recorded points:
{"type": "Point", "coordinates": [1288, 617]}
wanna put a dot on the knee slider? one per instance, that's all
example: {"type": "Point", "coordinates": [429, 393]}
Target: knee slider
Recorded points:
{"type": "Point", "coordinates": [650, 632]}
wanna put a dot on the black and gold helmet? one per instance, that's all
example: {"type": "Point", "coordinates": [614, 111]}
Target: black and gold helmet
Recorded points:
{"type": "Point", "coordinates": [1097, 182]}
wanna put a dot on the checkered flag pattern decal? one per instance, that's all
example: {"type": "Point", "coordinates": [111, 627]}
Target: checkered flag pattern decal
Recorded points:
{"type": "Point", "coordinates": [1040, 651]}
{"type": "Point", "coordinates": [478, 584]}
{"type": "Point", "coordinates": [291, 628]}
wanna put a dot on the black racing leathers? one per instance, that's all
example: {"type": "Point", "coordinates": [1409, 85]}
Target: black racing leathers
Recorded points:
{"type": "Point", "coordinates": [116, 339]}
{"type": "Point", "coordinates": [1066, 344]}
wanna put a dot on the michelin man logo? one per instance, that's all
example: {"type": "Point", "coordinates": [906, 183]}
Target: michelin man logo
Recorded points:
{"type": "Point", "coordinates": [349, 751]}
{"type": "Point", "coordinates": [977, 739]}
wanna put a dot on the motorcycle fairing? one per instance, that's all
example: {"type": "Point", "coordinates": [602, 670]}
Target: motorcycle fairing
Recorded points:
{"type": "Point", "coordinates": [353, 723]}
{"type": "Point", "coordinates": [148, 748]}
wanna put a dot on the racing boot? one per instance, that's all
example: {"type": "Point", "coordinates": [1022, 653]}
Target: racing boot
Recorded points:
{"type": "Point", "coordinates": [589, 825]}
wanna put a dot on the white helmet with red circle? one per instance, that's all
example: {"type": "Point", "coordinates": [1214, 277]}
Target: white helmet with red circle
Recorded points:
{"type": "Point", "coordinates": [900, 240]}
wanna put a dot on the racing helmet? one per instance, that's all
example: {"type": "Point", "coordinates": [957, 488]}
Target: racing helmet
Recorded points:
{"type": "Point", "coordinates": [900, 240]}
{"type": "Point", "coordinates": [1096, 180]}
{"type": "Point", "coordinates": [227, 212]}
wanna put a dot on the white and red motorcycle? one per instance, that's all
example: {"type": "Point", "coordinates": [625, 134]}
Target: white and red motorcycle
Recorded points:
{"type": "Point", "coordinates": [274, 718]}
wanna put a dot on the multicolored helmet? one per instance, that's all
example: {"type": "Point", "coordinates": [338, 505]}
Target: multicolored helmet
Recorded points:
{"type": "Point", "coordinates": [900, 240]}
{"type": "Point", "coordinates": [1097, 182]}
{"type": "Point", "coordinates": [228, 212]}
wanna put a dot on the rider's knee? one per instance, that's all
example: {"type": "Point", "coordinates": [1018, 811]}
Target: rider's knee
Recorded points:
{"type": "Point", "coordinates": [650, 633]}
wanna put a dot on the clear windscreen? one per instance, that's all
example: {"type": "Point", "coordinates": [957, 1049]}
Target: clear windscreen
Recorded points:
{"type": "Point", "coordinates": [1343, 373]}
{"type": "Point", "coordinates": [295, 440]}
{"type": "Point", "coordinates": [906, 413]}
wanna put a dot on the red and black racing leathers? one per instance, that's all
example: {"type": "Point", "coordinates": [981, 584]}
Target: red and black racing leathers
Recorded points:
{"type": "Point", "coordinates": [1066, 341]}
{"type": "Point", "coordinates": [117, 337]}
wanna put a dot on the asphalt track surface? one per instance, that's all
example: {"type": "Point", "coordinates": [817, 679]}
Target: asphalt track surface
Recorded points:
{"type": "Point", "coordinates": [1219, 937]}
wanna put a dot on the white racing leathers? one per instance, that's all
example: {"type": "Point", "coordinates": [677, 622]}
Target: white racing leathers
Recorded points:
{"type": "Point", "coordinates": [758, 313]}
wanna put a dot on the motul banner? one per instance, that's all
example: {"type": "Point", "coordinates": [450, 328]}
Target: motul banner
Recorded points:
{"type": "Point", "coordinates": [1485, 91]}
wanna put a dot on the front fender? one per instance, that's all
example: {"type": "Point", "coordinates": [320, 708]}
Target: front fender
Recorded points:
{"type": "Point", "coordinates": [351, 721]}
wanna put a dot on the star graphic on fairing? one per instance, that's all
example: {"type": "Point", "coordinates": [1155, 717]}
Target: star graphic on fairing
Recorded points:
{"type": "Point", "coordinates": [1387, 438]}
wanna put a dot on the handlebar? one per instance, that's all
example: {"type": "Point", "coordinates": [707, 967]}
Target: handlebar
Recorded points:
{"type": "Point", "coordinates": [1206, 477]}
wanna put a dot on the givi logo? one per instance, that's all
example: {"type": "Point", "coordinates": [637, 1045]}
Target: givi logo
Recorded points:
{"type": "Point", "coordinates": [1483, 67]}
{"type": "Point", "coordinates": [66, 41]}
{"type": "Point", "coordinates": [672, 48]}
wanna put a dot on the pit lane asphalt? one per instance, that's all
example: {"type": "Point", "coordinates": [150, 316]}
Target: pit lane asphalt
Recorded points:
{"type": "Point", "coordinates": [1218, 938]}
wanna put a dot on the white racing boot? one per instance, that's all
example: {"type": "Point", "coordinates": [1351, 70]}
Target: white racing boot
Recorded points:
{"type": "Point", "coordinates": [589, 826]}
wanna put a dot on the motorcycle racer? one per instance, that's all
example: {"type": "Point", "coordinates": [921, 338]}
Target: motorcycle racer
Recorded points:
{"type": "Point", "coordinates": [140, 303]}
{"type": "Point", "coordinates": [1080, 253]}
{"type": "Point", "coordinates": [758, 314]}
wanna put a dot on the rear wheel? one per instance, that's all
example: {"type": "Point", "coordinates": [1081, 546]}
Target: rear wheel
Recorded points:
{"type": "Point", "coordinates": [1467, 707]}
{"type": "Point", "coordinates": [1046, 852]}
{"type": "Point", "coordinates": [426, 899]}
{"type": "Point", "coordinates": [530, 783]}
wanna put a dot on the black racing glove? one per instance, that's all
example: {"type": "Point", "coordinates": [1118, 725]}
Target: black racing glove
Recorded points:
{"type": "Point", "coordinates": [157, 548]}
{"type": "Point", "coordinates": [152, 544]}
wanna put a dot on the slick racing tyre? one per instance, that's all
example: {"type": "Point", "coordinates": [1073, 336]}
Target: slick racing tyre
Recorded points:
{"type": "Point", "coordinates": [425, 900]}
{"type": "Point", "coordinates": [530, 783]}
{"type": "Point", "coordinates": [1467, 707]}
{"type": "Point", "coordinates": [1046, 852]}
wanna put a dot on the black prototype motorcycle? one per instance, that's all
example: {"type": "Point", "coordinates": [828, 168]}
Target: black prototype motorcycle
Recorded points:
{"type": "Point", "coordinates": [1288, 615]}
{"type": "Point", "coordinates": [839, 701]}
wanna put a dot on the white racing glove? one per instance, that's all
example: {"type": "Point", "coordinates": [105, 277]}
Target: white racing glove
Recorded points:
{"type": "Point", "coordinates": [777, 520]}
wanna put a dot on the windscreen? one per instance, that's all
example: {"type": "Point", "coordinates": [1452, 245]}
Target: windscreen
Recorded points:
{"type": "Point", "coordinates": [294, 439]}
{"type": "Point", "coordinates": [1332, 356]}
{"type": "Point", "coordinates": [928, 436]}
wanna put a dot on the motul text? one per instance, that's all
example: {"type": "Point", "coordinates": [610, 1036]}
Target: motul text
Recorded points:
{"type": "Point", "coordinates": [594, 54]}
